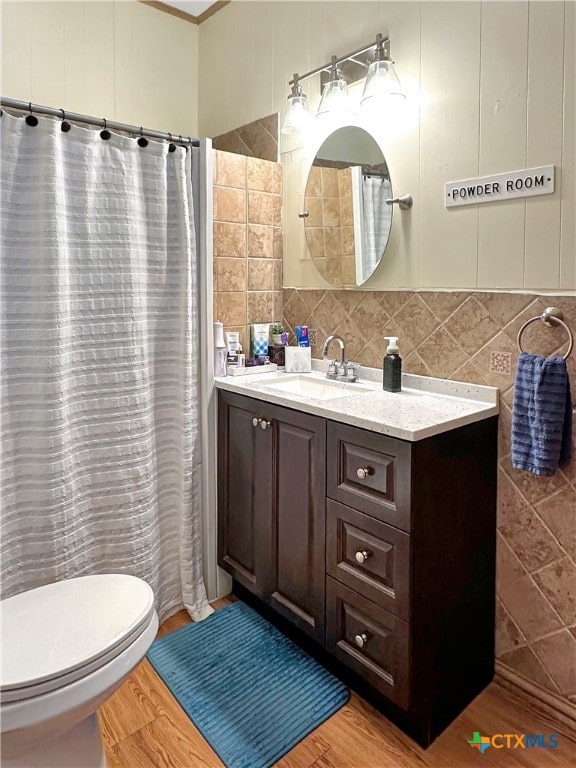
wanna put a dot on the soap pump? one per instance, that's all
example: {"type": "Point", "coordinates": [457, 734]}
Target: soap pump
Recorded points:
{"type": "Point", "coordinates": [392, 366]}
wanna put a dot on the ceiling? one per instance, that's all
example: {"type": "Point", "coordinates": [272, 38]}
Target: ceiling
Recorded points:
{"type": "Point", "coordinates": [191, 10]}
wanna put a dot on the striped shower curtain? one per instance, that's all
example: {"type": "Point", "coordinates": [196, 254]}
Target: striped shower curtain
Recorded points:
{"type": "Point", "coordinates": [98, 361]}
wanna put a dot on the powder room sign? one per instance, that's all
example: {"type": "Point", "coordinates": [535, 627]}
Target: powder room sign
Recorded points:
{"type": "Point", "coordinates": [501, 186]}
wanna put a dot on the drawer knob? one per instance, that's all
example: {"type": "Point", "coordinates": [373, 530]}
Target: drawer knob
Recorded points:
{"type": "Point", "coordinates": [265, 424]}
{"type": "Point", "coordinates": [256, 421]}
{"type": "Point", "coordinates": [363, 472]}
{"type": "Point", "coordinates": [362, 556]}
{"type": "Point", "coordinates": [361, 639]}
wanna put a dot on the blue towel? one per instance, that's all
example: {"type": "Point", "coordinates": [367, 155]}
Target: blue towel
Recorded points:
{"type": "Point", "coordinates": [542, 415]}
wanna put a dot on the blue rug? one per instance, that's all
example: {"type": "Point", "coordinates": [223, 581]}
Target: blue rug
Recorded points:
{"type": "Point", "coordinates": [249, 690]}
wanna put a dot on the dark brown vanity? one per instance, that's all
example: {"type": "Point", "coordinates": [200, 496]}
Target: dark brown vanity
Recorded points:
{"type": "Point", "coordinates": [380, 552]}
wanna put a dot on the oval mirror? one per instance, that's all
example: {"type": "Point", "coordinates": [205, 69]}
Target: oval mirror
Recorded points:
{"type": "Point", "coordinates": [346, 217]}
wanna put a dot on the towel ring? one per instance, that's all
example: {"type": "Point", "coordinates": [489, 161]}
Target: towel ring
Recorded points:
{"type": "Point", "coordinates": [550, 316]}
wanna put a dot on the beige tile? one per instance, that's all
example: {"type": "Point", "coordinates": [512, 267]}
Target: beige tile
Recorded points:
{"type": "Point", "coordinates": [296, 312]}
{"type": "Point", "coordinates": [472, 325]}
{"type": "Point", "coordinates": [260, 307]}
{"type": "Point", "coordinates": [348, 300]}
{"type": "Point", "coordinates": [350, 332]}
{"type": "Point", "coordinates": [558, 583]}
{"type": "Point", "coordinates": [231, 170]}
{"type": "Point", "coordinates": [558, 654]}
{"type": "Point", "coordinates": [369, 316]}
{"type": "Point", "coordinates": [261, 208]}
{"type": "Point", "coordinates": [278, 243]}
{"type": "Point", "coordinates": [314, 183]}
{"type": "Point", "coordinates": [277, 306]}
{"type": "Point", "coordinates": [525, 663]}
{"type": "Point", "coordinates": [260, 241]}
{"type": "Point", "coordinates": [557, 511]}
{"type": "Point", "coordinates": [229, 239]}
{"type": "Point", "coordinates": [415, 321]}
{"type": "Point", "coordinates": [320, 264]}
{"type": "Point", "coordinates": [314, 207]}
{"type": "Point", "coordinates": [327, 313]}
{"type": "Point", "coordinates": [500, 343]}
{"type": "Point", "coordinates": [508, 636]}
{"type": "Point", "coordinates": [259, 174]}
{"type": "Point", "coordinates": [527, 536]}
{"type": "Point", "coordinates": [331, 211]}
{"type": "Point", "coordinates": [348, 245]}
{"type": "Point", "coordinates": [230, 204]}
{"type": "Point", "coordinates": [443, 303]}
{"type": "Point", "coordinates": [277, 178]}
{"type": "Point", "coordinates": [345, 182]}
{"type": "Point", "coordinates": [503, 306]}
{"type": "Point", "coordinates": [346, 211]}
{"type": "Point", "coordinates": [277, 210]}
{"type": "Point", "coordinates": [231, 274]}
{"type": "Point", "coordinates": [315, 242]}
{"type": "Point", "coordinates": [277, 275]}
{"type": "Point", "coordinates": [413, 363]}
{"type": "Point", "coordinates": [393, 301]}
{"type": "Point", "coordinates": [332, 242]}
{"type": "Point", "coordinates": [533, 487]}
{"type": "Point", "coordinates": [441, 354]}
{"type": "Point", "coordinates": [231, 308]}
{"type": "Point", "coordinates": [260, 275]}
{"type": "Point", "coordinates": [349, 270]}
{"type": "Point", "coordinates": [334, 270]}
{"type": "Point", "coordinates": [329, 182]}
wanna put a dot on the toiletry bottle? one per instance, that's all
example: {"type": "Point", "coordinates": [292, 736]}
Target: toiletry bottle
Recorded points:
{"type": "Point", "coordinates": [220, 351]}
{"type": "Point", "coordinates": [392, 366]}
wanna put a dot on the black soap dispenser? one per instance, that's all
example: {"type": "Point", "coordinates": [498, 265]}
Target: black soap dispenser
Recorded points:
{"type": "Point", "coordinates": [392, 366]}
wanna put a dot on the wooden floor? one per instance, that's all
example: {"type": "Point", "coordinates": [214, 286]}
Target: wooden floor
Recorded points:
{"type": "Point", "coordinates": [144, 727]}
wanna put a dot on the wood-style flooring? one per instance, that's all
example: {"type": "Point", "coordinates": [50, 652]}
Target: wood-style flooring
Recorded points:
{"type": "Point", "coordinates": [144, 727]}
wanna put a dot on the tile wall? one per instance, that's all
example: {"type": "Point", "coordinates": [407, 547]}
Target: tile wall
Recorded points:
{"type": "Point", "coordinates": [471, 336]}
{"type": "Point", "coordinates": [256, 139]}
{"type": "Point", "coordinates": [247, 242]}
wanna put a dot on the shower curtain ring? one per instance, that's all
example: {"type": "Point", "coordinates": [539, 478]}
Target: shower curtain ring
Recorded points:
{"type": "Point", "coordinates": [142, 142]}
{"type": "Point", "coordinates": [105, 134]}
{"type": "Point", "coordinates": [171, 146]}
{"type": "Point", "coordinates": [64, 125]}
{"type": "Point", "coordinates": [31, 119]}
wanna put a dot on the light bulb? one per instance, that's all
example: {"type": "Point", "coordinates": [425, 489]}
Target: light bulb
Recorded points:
{"type": "Point", "coordinates": [382, 85]}
{"type": "Point", "coordinates": [297, 117]}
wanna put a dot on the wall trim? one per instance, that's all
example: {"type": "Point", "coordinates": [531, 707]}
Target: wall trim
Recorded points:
{"type": "Point", "coordinates": [550, 704]}
{"type": "Point", "coordinates": [182, 14]}
{"type": "Point", "coordinates": [403, 289]}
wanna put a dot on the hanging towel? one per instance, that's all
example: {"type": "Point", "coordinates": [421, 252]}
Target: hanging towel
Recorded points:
{"type": "Point", "coordinates": [542, 415]}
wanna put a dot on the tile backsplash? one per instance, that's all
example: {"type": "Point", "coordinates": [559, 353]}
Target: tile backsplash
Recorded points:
{"type": "Point", "coordinates": [471, 336]}
{"type": "Point", "coordinates": [247, 242]}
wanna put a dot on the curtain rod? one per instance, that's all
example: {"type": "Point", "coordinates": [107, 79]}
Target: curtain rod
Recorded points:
{"type": "Point", "coordinates": [100, 122]}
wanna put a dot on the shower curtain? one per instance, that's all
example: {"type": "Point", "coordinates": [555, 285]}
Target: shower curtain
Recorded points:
{"type": "Point", "coordinates": [98, 359]}
{"type": "Point", "coordinates": [377, 221]}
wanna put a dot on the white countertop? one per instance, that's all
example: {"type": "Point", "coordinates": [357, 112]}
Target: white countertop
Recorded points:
{"type": "Point", "coordinates": [425, 406]}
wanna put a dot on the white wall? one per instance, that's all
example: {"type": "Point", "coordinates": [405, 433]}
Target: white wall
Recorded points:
{"type": "Point", "coordinates": [490, 88]}
{"type": "Point", "coordinates": [121, 60]}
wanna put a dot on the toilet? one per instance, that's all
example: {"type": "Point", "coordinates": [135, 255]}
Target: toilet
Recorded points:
{"type": "Point", "coordinates": [66, 648]}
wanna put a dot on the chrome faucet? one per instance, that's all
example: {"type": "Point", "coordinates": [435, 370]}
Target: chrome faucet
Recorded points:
{"type": "Point", "coordinates": [344, 371]}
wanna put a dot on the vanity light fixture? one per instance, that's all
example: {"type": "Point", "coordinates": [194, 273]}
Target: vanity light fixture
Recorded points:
{"type": "Point", "coordinates": [297, 117]}
{"type": "Point", "coordinates": [371, 62]}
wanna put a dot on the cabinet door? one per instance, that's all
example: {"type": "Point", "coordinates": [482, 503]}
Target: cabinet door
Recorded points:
{"type": "Point", "coordinates": [298, 531]}
{"type": "Point", "coordinates": [244, 492]}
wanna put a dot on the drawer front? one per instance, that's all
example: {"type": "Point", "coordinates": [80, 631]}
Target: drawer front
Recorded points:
{"type": "Point", "coordinates": [369, 640]}
{"type": "Point", "coordinates": [369, 556]}
{"type": "Point", "coordinates": [370, 472]}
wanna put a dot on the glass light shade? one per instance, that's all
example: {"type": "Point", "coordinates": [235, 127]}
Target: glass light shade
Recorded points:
{"type": "Point", "coordinates": [297, 117]}
{"type": "Point", "coordinates": [335, 98]}
{"type": "Point", "coordinates": [382, 84]}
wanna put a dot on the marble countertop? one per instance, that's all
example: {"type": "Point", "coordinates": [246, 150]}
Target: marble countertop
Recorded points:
{"type": "Point", "coordinates": [425, 406]}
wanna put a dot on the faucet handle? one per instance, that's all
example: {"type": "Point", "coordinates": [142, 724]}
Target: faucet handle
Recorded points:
{"type": "Point", "coordinates": [352, 372]}
{"type": "Point", "coordinates": [331, 372]}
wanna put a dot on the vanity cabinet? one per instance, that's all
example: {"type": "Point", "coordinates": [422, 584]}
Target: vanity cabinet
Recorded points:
{"type": "Point", "coordinates": [382, 550]}
{"type": "Point", "coordinates": [271, 506]}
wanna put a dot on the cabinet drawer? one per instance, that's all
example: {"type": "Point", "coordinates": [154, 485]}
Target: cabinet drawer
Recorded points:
{"type": "Point", "coordinates": [369, 640]}
{"type": "Point", "coordinates": [370, 472]}
{"type": "Point", "coordinates": [369, 556]}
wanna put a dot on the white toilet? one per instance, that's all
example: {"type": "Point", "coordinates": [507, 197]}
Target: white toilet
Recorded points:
{"type": "Point", "coordinates": [66, 647]}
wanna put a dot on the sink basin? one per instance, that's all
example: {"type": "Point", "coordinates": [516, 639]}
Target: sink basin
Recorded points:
{"type": "Point", "coordinates": [317, 389]}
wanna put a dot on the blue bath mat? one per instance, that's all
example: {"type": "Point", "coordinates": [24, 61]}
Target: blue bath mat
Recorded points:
{"type": "Point", "coordinates": [249, 690]}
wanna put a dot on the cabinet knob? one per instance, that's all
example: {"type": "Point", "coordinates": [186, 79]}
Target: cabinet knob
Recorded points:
{"type": "Point", "coordinates": [363, 472]}
{"type": "Point", "coordinates": [361, 639]}
{"type": "Point", "coordinates": [362, 556]}
{"type": "Point", "coordinates": [265, 424]}
{"type": "Point", "coordinates": [256, 421]}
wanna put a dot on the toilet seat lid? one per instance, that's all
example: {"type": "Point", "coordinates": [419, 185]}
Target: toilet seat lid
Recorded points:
{"type": "Point", "coordinates": [52, 631]}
